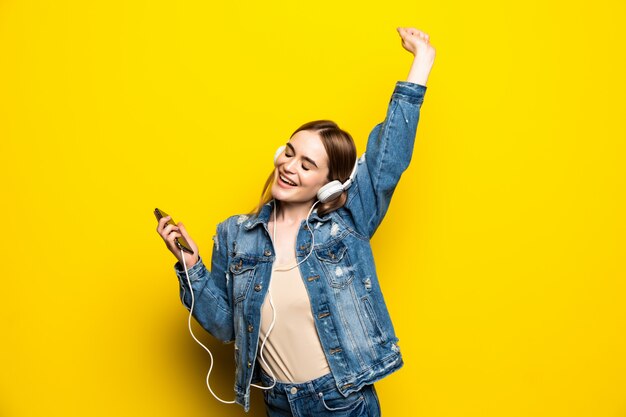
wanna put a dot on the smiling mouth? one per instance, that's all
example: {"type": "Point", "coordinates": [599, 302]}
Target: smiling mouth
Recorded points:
{"type": "Point", "coordinates": [286, 181]}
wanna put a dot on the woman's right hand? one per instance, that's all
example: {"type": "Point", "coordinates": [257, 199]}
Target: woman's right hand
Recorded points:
{"type": "Point", "coordinates": [169, 233]}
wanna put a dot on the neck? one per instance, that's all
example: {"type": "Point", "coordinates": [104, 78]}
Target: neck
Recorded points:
{"type": "Point", "coordinates": [293, 213]}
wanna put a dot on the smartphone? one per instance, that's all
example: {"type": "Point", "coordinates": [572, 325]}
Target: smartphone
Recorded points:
{"type": "Point", "coordinates": [180, 241]}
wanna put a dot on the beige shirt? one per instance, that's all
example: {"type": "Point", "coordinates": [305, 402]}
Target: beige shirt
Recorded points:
{"type": "Point", "coordinates": [293, 350]}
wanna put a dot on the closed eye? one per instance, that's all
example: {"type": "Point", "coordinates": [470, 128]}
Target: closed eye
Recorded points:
{"type": "Point", "coordinates": [303, 167]}
{"type": "Point", "coordinates": [306, 158]}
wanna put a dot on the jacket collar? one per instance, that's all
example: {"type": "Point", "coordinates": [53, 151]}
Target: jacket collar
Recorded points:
{"type": "Point", "coordinates": [264, 216]}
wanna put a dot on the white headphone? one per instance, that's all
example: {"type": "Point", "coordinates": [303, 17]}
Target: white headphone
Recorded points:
{"type": "Point", "coordinates": [333, 189]}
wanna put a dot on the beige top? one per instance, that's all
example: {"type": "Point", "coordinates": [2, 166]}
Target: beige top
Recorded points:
{"type": "Point", "coordinates": [293, 350]}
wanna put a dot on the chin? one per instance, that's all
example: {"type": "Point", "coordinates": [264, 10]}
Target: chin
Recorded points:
{"type": "Point", "coordinates": [281, 195]}
{"type": "Point", "coordinates": [278, 193]}
{"type": "Point", "coordinates": [288, 196]}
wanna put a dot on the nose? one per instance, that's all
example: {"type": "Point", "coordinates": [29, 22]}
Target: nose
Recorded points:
{"type": "Point", "coordinates": [289, 165]}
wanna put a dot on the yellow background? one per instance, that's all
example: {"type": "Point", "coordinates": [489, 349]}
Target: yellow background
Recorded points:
{"type": "Point", "coordinates": [501, 258]}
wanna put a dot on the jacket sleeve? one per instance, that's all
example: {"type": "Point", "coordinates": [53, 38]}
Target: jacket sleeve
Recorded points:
{"type": "Point", "coordinates": [212, 307]}
{"type": "Point", "coordinates": [387, 156]}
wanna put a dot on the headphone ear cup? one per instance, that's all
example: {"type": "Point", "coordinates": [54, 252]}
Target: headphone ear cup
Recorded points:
{"type": "Point", "coordinates": [278, 152]}
{"type": "Point", "coordinates": [333, 189]}
{"type": "Point", "coordinates": [330, 191]}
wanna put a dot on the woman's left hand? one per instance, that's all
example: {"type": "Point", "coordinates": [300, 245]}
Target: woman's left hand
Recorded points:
{"type": "Point", "coordinates": [417, 42]}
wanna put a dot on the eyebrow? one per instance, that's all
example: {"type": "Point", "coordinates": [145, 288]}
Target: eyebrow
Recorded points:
{"type": "Point", "coordinates": [304, 157]}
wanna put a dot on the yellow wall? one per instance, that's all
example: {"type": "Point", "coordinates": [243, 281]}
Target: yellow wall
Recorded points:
{"type": "Point", "coordinates": [502, 256]}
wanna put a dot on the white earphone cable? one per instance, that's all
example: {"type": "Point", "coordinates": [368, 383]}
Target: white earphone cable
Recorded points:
{"type": "Point", "coordinates": [194, 336]}
{"type": "Point", "coordinates": [271, 303]}
{"type": "Point", "coordinates": [269, 288]}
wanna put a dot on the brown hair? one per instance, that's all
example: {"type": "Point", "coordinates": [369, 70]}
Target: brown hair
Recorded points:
{"type": "Point", "coordinates": [341, 152]}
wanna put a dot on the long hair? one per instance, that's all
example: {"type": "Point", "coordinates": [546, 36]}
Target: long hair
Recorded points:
{"type": "Point", "coordinates": [341, 152]}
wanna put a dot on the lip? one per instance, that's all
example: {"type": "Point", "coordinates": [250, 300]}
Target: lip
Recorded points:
{"type": "Point", "coordinates": [283, 183]}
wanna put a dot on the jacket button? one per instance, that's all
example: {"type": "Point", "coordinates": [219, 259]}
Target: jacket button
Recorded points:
{"type": "Point", "coordinates": [249, 364]}
{"type": "Point", "coordinates": [306, 227]}
{"type": "Point", "coordinates": [258, 287]}
{"type": "Point", "coordinates": [250, 328]}
{"type": "Point", "coordinates": [267, 252]}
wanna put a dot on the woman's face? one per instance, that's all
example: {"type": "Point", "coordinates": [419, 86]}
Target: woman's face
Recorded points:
{"type": "Point", "coordinates": [304, 164]}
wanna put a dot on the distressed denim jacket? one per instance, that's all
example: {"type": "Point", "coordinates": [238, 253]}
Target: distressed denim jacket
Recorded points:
{"type": "Point", "coordinates": [347, 303]}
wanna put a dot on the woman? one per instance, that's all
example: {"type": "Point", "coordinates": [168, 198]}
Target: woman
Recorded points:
{"type": "Point", "coordinates": [321, 331]}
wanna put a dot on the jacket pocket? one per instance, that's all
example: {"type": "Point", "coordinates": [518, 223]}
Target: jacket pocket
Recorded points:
{"type": "Point", "coordinates": [242, 273]}
{"type": "Point", "coordinates": [374, 329]}
{"type": "Point", "coordinates": [336, 264]}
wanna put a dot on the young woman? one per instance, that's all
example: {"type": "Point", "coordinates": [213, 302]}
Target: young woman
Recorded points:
{"type": "Point", "coordinates": [294, 284]}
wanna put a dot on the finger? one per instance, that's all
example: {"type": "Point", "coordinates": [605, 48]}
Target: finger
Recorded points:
{"type": "Point", "coordinates": [416, 32]}
{"type": "Point", "coordinates": [421, 34]}
{"type": "Point", "coordinates": [170, 228]}
{"type": "Point", "coordinates": [162, 222]}
{"type": "Point", "coordinates": [166, 225]}
{"type": "Point", "coordinates": [408, 33]}
{"type": "Point", "coordinates": [183, 230]}
{"type": "Point", "coordinates": [172, 236]}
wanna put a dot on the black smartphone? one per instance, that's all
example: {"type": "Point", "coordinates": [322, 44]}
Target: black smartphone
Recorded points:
{"type": "Point", "coordinates": [180, 241]}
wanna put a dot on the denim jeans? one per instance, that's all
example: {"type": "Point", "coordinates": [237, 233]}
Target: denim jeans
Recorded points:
{"type": "Point", "coordinates": [318, 398]}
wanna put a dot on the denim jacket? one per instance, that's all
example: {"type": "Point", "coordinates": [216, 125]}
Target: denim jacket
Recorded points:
{"type": "Point", "coordinates": [347, 303]}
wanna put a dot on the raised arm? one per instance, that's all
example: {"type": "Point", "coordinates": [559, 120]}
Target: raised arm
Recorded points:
{"type": "Point", "coordinates": [390, 143]}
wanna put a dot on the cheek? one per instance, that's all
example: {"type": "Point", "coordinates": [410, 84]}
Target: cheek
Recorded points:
{"type": "Point", "coordinates": [315, 180]}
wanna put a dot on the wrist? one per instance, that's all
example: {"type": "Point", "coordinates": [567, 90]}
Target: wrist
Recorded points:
{"type": "Point", "coordinates": [420, 70]}
{"type": "Point", "coordinates": [418, 77]}
{"type": "Point", "coordinates": [191, 263]}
